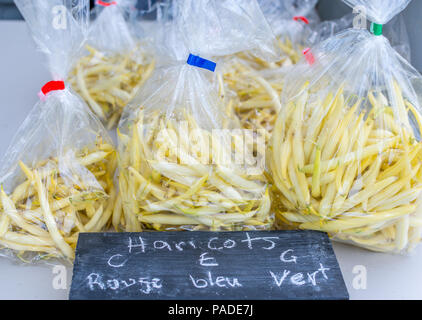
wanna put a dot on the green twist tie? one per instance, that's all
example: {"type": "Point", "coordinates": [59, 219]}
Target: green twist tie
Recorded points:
{"type": "Point", "coordinates": [376, 29]}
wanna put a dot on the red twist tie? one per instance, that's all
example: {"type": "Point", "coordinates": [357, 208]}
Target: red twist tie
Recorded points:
{"type": "Point", "coordinates": [51, 86]}
{"type": "Point", "coordinates": [302, 18]}
{"type": "Point", "coordinates": [105, 4]}
{"type": "Point", "coordinates": [309, 56]}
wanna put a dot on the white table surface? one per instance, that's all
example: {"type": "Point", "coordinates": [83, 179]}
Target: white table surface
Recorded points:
{"type": "Point", "coordinates": [23, 72]}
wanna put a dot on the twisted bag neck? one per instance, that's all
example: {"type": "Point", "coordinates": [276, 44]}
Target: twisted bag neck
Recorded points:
{"type": "Point", "coordinates": [49, 87]}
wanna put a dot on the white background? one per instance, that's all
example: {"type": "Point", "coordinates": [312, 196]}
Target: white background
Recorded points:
{"type": "Point", "coordinates": [23, 72]}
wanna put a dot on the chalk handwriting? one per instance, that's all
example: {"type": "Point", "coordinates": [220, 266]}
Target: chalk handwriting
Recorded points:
{"type": "Point", "coordinates": [219, 281]}
{"type": "Point", "coordinates": [203, 260]}
{"type": "Point", "coordinates": [249, 240]}
{"type": "Point", "coordinates": [287, 260]}
{"type": "Point", "coordinates": [113, 261]}
{"type": "Point", "coordinates": [135, 244]}
{"type": "Point", "coordinates": [279, 280]}
{"type": "Point", "coordinates": [298, 279]}
{"type": "Point", "coordinates": [145, 284]}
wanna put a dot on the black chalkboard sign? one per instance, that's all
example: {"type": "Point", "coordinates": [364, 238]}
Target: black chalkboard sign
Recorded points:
{"type": "Point", "coordinates": [262, 265]}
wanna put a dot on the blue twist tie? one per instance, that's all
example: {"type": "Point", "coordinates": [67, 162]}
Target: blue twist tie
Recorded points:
{"type": "Point", "coordinates": [199, 62]}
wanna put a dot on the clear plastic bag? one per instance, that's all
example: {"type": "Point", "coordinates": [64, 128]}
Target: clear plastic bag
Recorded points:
{"type": "Point", "coordinates": [257, 83]}
{"type": "Point", "coordinates": [292, 22]}
{"type": "Point", "coordinates": [328, 28]}
{"type": "Point", "coordinates": [395, 31]}
{"type": "Point", "coordinates": [175, 159]}
{"type": "Point", "coordinates": [345, 154]}
{"type": "Point", "coordinates": [57, 174]}
{"type": "Point", "coordinates": [117, 63]}
{"type": "Point", "coordinates": [380, 11]}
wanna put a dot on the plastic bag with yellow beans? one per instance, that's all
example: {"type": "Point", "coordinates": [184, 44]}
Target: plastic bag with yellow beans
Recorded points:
{"type": "Point", "coordinates": [346, 150]}
{"type": "Point", "coordinates": [184, 165]}
{"type": "Point", "coordinates": [257, 82]}
{"type": "Point", "coordinates": [116, 63]}
{"type": "Point", "coordinates": [292, 21]}
{"type": "Point", "coordinates": [57, 174]}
